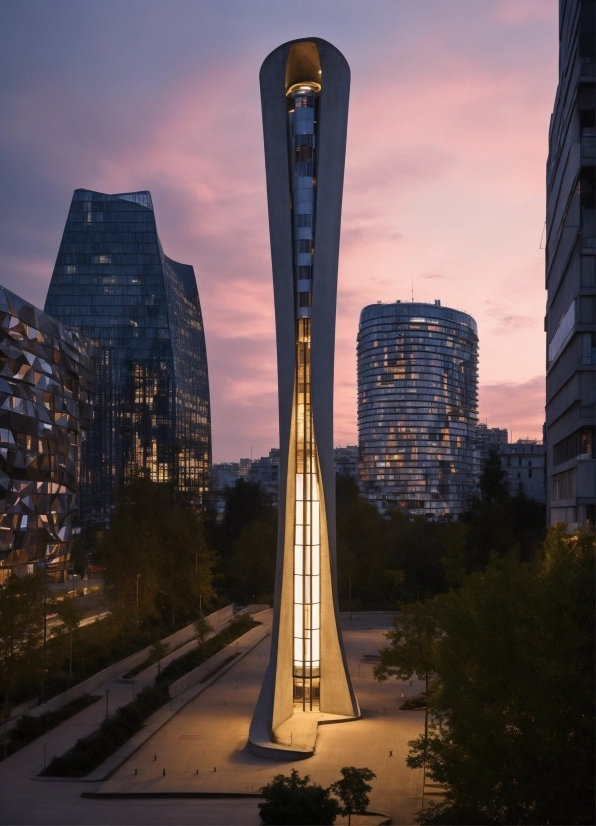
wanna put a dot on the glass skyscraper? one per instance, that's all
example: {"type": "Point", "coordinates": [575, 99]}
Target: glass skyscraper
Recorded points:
{"type": "Point", "coordinates": [46, 394]}
{"type": "Point", "coordinates": [417, 407]}
{"type": "Point", "coordinates": [113, 281]}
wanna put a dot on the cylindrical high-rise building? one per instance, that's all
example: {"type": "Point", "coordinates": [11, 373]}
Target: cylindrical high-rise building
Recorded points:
{"type": "Point", "coordinates": [304, 92]}
{"type": "Point", "coordinates": [417, 407]}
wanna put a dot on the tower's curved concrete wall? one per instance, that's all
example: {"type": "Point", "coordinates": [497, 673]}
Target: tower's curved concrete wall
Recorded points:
{"type": "Point", "coordinates": [317, 62]}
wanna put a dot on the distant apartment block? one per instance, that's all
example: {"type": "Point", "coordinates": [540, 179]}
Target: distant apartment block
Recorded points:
{"type": "Point", "coordinates": [524, 464]}
{"type": "Point", "coordinates": [487, 438]}
{"type": "Point", "coordinates": [570, 275]}
{"type": "Point", "coordinates": [346, 461]}
{"type": "Point", "coordinates": [225, 474]}
{"type": "Point", "coordinates": [265, 471]}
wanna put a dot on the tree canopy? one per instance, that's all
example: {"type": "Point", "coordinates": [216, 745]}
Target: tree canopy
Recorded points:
{"type": "Point", "coordinates": [294, 801]}
{"type": "Point", "coordinates": [513, 698]}
{"type": "Point", "coordinates": [159, 547]}
{"type": "Point", "coordinates": [353, 789]}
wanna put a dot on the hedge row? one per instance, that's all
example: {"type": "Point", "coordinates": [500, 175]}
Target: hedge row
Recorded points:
{"type": "Point", "coordinates": [178, 668]}
{"type": "Point", "coordinates": [91, 751]}
{"type": "Point", "coordinates": [29, 727]}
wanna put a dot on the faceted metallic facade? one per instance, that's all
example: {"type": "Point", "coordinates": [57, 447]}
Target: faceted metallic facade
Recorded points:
{"type": "Point", "coordinates": [304, 94]}
{"type": "Point", "coordinates": [113, 281]}
{"type": "Point", "coordinates": [570, 321]}
{"type": "Point", "coordinates": [46, 393]}
{"type": "Point", "coordinates": [417, 407]}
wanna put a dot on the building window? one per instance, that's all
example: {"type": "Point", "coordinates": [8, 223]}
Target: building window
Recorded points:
{"type": "Point", "coordinates": [589, 348]}
{"type": "Point", "coordinates": [562, 334]}
{"type": "Point", "coordinates": [577, 444]}
{"type": "Point", "coordinates": [564, 485]}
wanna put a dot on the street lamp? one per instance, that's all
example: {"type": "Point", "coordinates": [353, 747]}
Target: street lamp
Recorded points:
{"type": "Point", "coordinates": [45, 631]}
{"type": "Point", "coordinates": [138, 577]}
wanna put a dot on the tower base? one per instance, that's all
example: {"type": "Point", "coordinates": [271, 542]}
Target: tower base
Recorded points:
{"type": "Point", "coordinates": [300, 728]}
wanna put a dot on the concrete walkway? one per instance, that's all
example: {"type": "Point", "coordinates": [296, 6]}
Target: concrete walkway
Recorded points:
{"type": "Point", "coordinates": [211, 732]}
{"type": "Point", "coordinates": [64, 736]}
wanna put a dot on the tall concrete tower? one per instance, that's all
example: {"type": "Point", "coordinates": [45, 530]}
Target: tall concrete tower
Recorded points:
{"type": "Point", "coordinates": [304, 93]}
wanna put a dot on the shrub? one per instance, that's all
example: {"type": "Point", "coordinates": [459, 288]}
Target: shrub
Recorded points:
{"type": "Point", "coordinates": [29, 727]}
{"type": "Point", "coordinates": [89, 752]}
{"type": "Point", "coordinates": [293, 800]}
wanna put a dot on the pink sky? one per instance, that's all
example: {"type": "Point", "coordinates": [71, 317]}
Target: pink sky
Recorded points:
{"type": "Point", "coordinates": [447, 146]}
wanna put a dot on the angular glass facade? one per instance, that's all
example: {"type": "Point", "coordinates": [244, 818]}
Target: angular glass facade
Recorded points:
{"type": "Point", "coordinates": [417, 407]}
{"type": "Point", "coordinates": [46, 393]}
{"type": "Point", "coordinates": [113, 281]}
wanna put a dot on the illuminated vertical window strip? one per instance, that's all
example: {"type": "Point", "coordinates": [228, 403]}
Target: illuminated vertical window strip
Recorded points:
{"type": "Point", "coordinates": [307, 559]}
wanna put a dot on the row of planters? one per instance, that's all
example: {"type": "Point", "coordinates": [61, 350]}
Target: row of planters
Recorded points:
{"type": "Point", "coordinates": [91, 751]}
{"type": "Point", "coordinates": [30, 727]}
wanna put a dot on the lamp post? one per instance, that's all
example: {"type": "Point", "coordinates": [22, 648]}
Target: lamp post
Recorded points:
{"type": "Point", "coordinates": [45, 631]}
{"type": "Point", "coordinates": [73, 596]}
{"type": "Point", "coordinates": [138, 577]}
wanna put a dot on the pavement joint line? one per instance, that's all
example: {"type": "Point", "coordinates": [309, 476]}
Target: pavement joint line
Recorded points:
{"type": "Point", "coordinates": [126, 751]}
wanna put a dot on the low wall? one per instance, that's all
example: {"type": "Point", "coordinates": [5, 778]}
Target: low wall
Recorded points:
{"type": "Point", "coordinates": [187, 634]}
{"type": "Point", "coordinates": [175, 640]}
{"type": "Point", "coordinates": [198, 674]}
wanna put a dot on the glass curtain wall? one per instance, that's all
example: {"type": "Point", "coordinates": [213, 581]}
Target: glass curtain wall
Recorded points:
{"type": "Point", "coordinates": [113, 281]}
{"type": "Point", "coordinates": [417, 407]}
{"type": "Point", "coordinates": [303, 100]}
{"type": "Point", "coordinates": [46, 403]}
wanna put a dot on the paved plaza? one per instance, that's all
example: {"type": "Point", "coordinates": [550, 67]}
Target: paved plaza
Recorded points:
{"type": "Point", "coordinates": [203, 748]}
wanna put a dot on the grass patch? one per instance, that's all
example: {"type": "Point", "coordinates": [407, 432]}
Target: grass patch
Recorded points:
{"type": "Point", "coordinates": [29, 727]}
{"type": "Point", "coordinates": [90, 752]}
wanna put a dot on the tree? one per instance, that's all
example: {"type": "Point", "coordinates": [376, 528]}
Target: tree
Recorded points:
{"type": "Point", "coordinates": [496, 521]}
{"type": "Point", "coordinates": [513, 696]}
{"type": "Point", "coordinates": [493, 479]}
{"type": "Point", "coordinates": [413, 648]}
{"type": "Point", "coordinates": [202, 630]}
{"type": "Point", "coordinates": [21, 636]}
{"type": "Point", "coordinates": [70, 616]}
{"type": "Point", "coordinates": [154, 536]}
{"type": "Point", "coordinates": [293, 800]}
{"type": "Point", "coordinates": [251, 569]}
{"type": "Point", "coordinates": [245, 541]}
{"type": "Point", "coordinates": [353, 790]}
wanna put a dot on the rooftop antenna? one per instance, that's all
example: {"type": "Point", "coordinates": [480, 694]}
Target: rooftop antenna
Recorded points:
{"type": "Point", "coordinates": [412, 286]}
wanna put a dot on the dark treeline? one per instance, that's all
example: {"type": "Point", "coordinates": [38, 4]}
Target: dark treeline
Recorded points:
{"type": "Point", "coordinates": [162, 561]}
{"type": "Point", "coordinates": [157, 567]}
{"type": "Point", "coordinates": [245, 543]}
{"type": "Point", "coordinates": [381, 560]}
